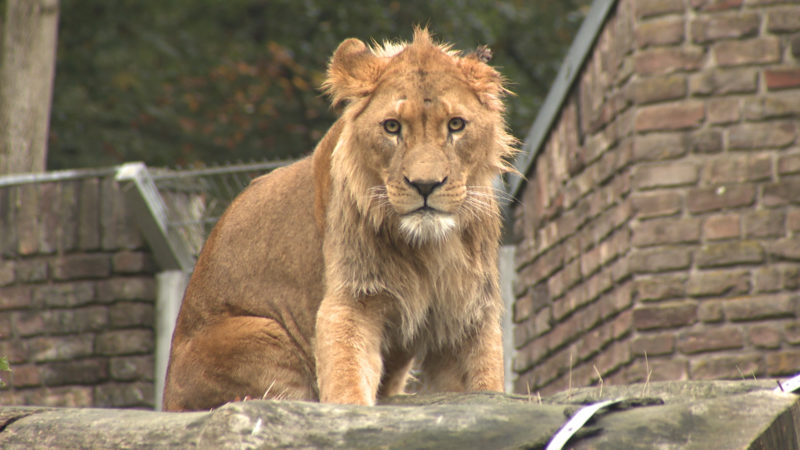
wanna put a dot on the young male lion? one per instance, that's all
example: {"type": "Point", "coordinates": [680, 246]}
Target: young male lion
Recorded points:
{"type": "Point", "coordinates": [325, 279]}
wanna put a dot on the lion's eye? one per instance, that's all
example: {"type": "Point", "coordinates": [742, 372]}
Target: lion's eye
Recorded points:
{"type": "Point", "coordinates": [456, 124]}
{"type": "Point", "coordinates": [391, 126]}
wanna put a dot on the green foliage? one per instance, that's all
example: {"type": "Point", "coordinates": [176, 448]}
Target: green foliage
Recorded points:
{"type": "Point", "coordinates": [4, 367]}
{"type": "Point", "coordinates": [196, 82]}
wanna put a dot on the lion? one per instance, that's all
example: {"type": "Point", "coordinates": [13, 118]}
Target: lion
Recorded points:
{"type": "Point", "coordinates": [326, 280]}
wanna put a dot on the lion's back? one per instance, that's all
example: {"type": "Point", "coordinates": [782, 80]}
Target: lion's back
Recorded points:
{"type": "Point", "coordinates": [264, 256]}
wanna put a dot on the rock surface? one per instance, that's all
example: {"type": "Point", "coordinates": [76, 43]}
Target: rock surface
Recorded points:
{"type": "Point", "coordinates": [745, 414]}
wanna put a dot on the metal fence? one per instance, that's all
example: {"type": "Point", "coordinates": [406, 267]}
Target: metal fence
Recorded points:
{"type": "Point", "coordinates": [195, 199]}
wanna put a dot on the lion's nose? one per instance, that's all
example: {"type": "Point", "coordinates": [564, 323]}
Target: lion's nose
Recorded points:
{"type": "Point", "coordinates": [425, 187]}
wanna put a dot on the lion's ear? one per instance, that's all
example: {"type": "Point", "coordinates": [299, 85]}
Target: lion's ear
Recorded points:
{"type": "Point", "coordinates": [482, 78]}
{"type": "Point", "coordinates": [352, 73]}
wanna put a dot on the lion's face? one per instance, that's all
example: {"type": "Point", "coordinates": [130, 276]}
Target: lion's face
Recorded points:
{"type": "Point", "coordinates": [425, 143]}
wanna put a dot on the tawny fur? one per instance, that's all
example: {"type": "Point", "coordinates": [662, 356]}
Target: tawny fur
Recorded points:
{"type": "Point", "coordinates": [327, 279]}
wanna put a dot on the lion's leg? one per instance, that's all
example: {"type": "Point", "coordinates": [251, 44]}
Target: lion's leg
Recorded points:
{"type": "Point", "coordinates": [483, 362]}
{"type": "Point", "coordinates": [348, 350]}
{"type": "Point", "coordinates": [237, 358]}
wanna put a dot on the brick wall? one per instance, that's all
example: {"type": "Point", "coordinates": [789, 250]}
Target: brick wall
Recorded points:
{"type": "Point", "coordinates": [662, 215]}
{"type": "Point", "coordinates": [77, 296]}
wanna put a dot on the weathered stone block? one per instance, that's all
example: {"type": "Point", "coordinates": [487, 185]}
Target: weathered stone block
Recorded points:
{"type": "Point", "coordinates": [670, 116]}
{"type": "Point", "coordinates": [81, 266]}
{"type": "Point", "coordinates": [663, 231]}
{"type": "Point", "coordinates": [711, 339]}
{"type": "Point", "coordinates": [765, 336]}
{"type": "Point", "coordinates": [65, 294]}
{"type": "Point", "coordinates": [713, 199]}
{"type": "Point", "coordinates": [125, 342]}
{"type": "Point", "coordinates": [771, 306]}
{"type": "Point", "coordinates": [718, 283]}
{"type": "Point", "coordinates": [60, 348]}
{"type": "Point", "coordinates": [783, 20]}
{"type": "Point", "coordinates": [126, 314]}
{"type": "Point", "coordinates": [761, 50]}
{"type": "Point", "coordinates": [653, 344]}
{"type": "Point", "coordinates": [663, 31]}
{"type": "Point", "coordinates": [659, 287]}
{"type": "Point", "coordinates": [665, 60]}
{"type": "Point", "coordinates": [706, 28]}
{"type": "Point", "coordinates": [764, 223]}
{"type": "Point", "coordinates": [738, 367]}
{"type": "Point", "coordinates": [659, 259]}
{"type": "Point", "coordinates": [666, 174]}
{"type": "Point", "coordinates": [665, 315]}
{"type": "Point", "coordinates": [722, 82]}
{"type": "Point", "coordinates": [729, 253]}
{"type": "Point", "coordinates": [81, 371]}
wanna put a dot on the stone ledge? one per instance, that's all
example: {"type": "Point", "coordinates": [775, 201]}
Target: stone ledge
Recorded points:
{"type": "Point", "coordinates": [714, 414]}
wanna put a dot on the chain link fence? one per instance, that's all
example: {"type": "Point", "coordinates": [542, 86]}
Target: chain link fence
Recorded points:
{"type": "Point", "coordinates": [195, 199]}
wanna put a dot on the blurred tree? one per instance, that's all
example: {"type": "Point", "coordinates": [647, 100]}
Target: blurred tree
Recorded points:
{"type": "Point", "coordinates": [27, 62]}
{"type": "Point", "coordinates": [198, 82]}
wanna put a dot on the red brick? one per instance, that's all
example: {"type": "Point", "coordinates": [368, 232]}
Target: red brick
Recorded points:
{"type": "Point", "coordinates": [736, 169]}
{"type": "Point", "coordinates": [659, 259]}
{"type": "Point", "coordinates": [71, 396]}
{"type": "Point", "coordinates": [706, 141]}
{"type": "Point", "coordinates": [124, 395]}
{"type": "Point", "coordinates": [23, 376]}
{"type": "Point", "coordinates": [659, 287]}
{"type": "Point", "coordinates": [132, 262]}
{"type": "Point", "coordinates": [653, 344]}
{"type": "Point", "coordinates": [729, 253]}
{"type": "Point", "coordinates": [670, 116]}
{"type": "Point", "coordinates": [784, 250]}
{"type": "Point", "coordinates": [793, 220]}
{"type": "Point", "coordinates": [715, 5]}
{"type": "Point", "coordinates": [791, 333]}
{"type": "Point", "coordinates": [761, 307]}
{"type": "Point", "coordinates": [783, 105]}
{"type": "Point", "coordinates": [781, 193]}
{"type": "Point", "coordinates": [667, 174]}
{"type": "Point", "coordinates": [789, 164]}
{"type": "Point", "coordinates": [130, 368]}
{"type": "Point", "coordinates": [80, 371]}
{"type": "Point", "coordinates": [664, 60]}
{"type": "Point", "coordinates": [709, 340]}
{"type": "Point", "coordinates": [659, 146]}
{"type": "Point", "coordinates": [725, 81]}
{"type": "Point", "coordinates": [710, 311]}
{"type": "Point", "coordinates": [664, 31]}
{"type": "Point", "coordinates": [764, 336]}
{"type": "Point", "coordinates": [733, 367]}
{"type": "Point", "coordinates": [783, 20]}
{"type": "Point", "coordinates": [15, 297]}
{"type": "Point", "coordinates": [724, 226]}
{"type": "Point", "coordinates": [767, 279]}
{"type": "Point", "coordinates": [126, 288]}
{"type": "Point", "coordinates": [69, 294]}
{"type": "Point", "coordinates": [723, 110]}
{"type": "Point", "coordinates": [782, 78]}
{"type": "Point", "coordinates": [763, 50]}
{"type": "Point", "coordinates": [713, 27]}
{"type": "Point", "coordinates": [125, 342]}
{"type": "Point", "coordinates": [659, 88]}
{"type": "Point", "coordinates": [764, 223]}
{"type": "Point", "coordinates": [665, 231]}
{"type": "Point", "coordinates": [665, 315]}
{"type": "Point", "coordinates": [657, 204]}
{"type": "Point", "coordinates": [81, 266]}
{"type": "Point", "coordinates": [6, 272]}
{"type": "Point", "coordinates": [649, 8]}
{"type": "Point", "coordinates": [783, 363]}
{"type": "Point", "coordinates": [723, 197]}
{"type": "Point", "coordinates": [44, 349]}
{"type": "Point", "coordinates": [718, 283]}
